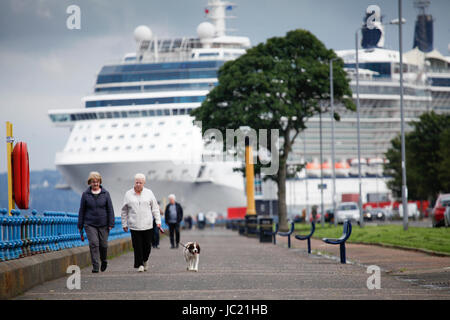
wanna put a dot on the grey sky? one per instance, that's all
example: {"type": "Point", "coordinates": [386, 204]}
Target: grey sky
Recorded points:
{"type": "Point", "coordinates": [46, 66]}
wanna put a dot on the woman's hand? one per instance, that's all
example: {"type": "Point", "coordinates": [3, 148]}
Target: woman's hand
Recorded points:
{"type": "Point", "coordinates": [125, 229]}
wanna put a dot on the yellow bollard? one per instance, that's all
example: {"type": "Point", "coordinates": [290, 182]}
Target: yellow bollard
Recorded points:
{"type": "Point", "coordinates": [9, 149]}
{"type": "Point", "coordinates": [250, 176]}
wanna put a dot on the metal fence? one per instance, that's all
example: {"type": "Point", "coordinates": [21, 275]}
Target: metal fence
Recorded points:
{"type": "Point", "coordinates": [22, 236]}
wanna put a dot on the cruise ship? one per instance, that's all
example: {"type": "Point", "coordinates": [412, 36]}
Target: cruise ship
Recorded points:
{"type": "Point", "coordinates": [137, 120]}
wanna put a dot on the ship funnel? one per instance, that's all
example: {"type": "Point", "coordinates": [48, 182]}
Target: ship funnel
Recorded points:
{"type": "Point", "coordinates": [423, 31]}
{"type": "Point", "coordinates": [372, 38]}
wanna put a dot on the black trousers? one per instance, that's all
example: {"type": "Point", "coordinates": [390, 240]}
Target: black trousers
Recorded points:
{"type": "Point", "coordinates": [174, 229]}
{"type": "Point", "coordinates": [155, 238]}
{"type": "Point", "coordinates": [142, 245]}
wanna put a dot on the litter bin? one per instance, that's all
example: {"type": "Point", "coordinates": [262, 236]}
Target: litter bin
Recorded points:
{"type": "Point", "coordinates": [251, 226]}
{"type": "Point", "coordinates": [241, 226]}
{"type": "Point", "coordinates": [265, 229]}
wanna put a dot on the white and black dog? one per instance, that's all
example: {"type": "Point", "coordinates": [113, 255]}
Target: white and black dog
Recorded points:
{"type": "Point", "coordinates": [191, 254]}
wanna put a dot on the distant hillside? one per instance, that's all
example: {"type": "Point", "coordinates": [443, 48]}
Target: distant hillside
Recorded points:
{"type": "Point", "coordinates": [44, 196]}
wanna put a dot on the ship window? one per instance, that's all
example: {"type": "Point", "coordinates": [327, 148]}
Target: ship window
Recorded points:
{"type": "Point", "coordinates": [149, 124]}
{"type": "Point", "coordinates": [116, 114]}
{"type": "Point", "coordinates": [159, 112]}
{"type": "Point", "coordinates": [161, 123]}
{"type": "Point", "coordinates": [126, 125]}
{"type": "Point", "coordinates": [151, 113]}
{"type": "Point", "coordinates": [109, 137]}
{"type": "Point", "coordinates": [124, 114]}
{"type": "Point", "coordinates": [97, 137]}
{"type": "Point", "coordinates": [169, 145]}
{"type": "Point", "coordinates": [145, 135]}
{"type": "Point", "coordinates": [116, 148]}
{"type": "Point", "coordinates": [105, 148]}
{"type": "Point", "coordinates": [140, 147]}
{"type": "Point", "coordinates": [209, 54]}
{"type": "Point", "coordinates": [189, 110]}
{"type": "Point", "coordinates": [166, 112]}
{"type": "Point", "coordinates": [137, 124]}
{"type": "Point", "coordinates": [144, 113]}
{"type": "Point", "coordinates": [182, 111]}
{"type": "Point", "coordinates": [114, 125]}
{"type": "Point", "coordinates": [121, 136]}
{"type": "Point", "coordinates": [152, 146]}
{"type": "Point", "coordinates": [174, 112]}
{"type": "Point", "coordinates": [101, 115]}
{"type": "Point", "coordinates": [156, 134]}
{"type": "Point", "coordinates": [93, 149]}
{"type": "Point", "coordinates": [102, 125]}
{"type": "Point", "coordinates": [128, 148]}
{"type": "Point", "coordinates": [84, 139]}
{"type": "Point", "coordinates": [132, 135]}
{"type": "Point", "coordinates": [179, 122]}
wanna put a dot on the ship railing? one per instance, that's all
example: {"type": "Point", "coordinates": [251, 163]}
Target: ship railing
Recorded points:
{"type": "Point", "coordinates": [27, 235]}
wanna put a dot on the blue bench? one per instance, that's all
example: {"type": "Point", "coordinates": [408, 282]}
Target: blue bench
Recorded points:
{"type": "Point", "coordinates": [346, 232]}
{"type": "Point", "coordinates": [286, 234]}
{"type": "Point", "coordinates": [307, 237]}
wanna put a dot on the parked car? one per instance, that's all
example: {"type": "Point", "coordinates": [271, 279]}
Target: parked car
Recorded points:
{"type": "Point", "coordinates": [374, 214]}
{"type": "Point", "coordinates": [329, 215]}
{"type": "Point", "coordinates": [347, 210]}
{"type": "Point", "coordinates": [437, 215]}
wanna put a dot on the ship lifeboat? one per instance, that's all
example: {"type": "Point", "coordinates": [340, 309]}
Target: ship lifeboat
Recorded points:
{"type": "Point", "coordinates": [375, 167]}
{"type": "Point", "coordinates": [326, 168]}
{"type": "Point", "coordinates": [342, 168]}
{"type": "Point", "coordinates": [21, 175]}
{"type": "Point", "coordinates": [354, 167]}
{"type": "Point", "coordinates": [313, 169]}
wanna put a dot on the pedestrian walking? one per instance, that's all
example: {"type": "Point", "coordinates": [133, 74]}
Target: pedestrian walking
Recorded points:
{"type": "Point", "coordinates": [155, 238]}
{"type": "Point", "coordinates": [173, 215]}
{"type": "Point", "coordinates": [139, 210]}
{"type": "Point", "coordinates": [96, 216]}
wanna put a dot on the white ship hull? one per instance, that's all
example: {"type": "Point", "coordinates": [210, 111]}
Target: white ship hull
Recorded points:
{"type": "Point", "coordinates": [201, 196]}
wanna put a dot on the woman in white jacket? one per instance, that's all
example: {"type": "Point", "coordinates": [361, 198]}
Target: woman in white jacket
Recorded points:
{"type": "Point", "coordinates": [139, 209]}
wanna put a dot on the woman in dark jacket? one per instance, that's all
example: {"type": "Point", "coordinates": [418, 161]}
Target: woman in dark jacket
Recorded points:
{"type": "Point", "coordinates": [96, 216]}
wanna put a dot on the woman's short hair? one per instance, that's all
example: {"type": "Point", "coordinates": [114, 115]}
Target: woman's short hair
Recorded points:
{"type": "Point", "coordinates": [139, 176]}
{"type": "Point", "coordinates": [94, 175]}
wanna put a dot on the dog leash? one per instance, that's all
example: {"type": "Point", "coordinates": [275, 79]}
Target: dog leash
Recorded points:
{"type": "Point", "coordinates": [182, 245]}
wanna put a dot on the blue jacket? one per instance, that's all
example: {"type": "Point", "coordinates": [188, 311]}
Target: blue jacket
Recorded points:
{"type": "Point", "coordinates": [96, 212]}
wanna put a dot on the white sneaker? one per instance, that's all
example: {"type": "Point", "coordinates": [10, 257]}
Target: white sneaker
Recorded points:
{"type": "Point", "coordinates": [145, 265]}
{"type": "Point", "coordinates": [141, 269]}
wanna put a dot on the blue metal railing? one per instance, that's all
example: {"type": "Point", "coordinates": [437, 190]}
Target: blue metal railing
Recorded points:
{"type": "Point", "coordinates": [22, 236]}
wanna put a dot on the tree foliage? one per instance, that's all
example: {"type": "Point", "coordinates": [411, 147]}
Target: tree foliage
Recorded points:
{"type": "Point", "coordinates": [275, 85]}
{"type": "Point", "coordinates": [427, 158]}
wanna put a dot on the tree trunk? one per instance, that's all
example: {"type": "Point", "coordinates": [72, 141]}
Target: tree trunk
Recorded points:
{"type": "Point", "coordinates": [282, 173]}
{"type": "Point", "coordinates": [282, 212]}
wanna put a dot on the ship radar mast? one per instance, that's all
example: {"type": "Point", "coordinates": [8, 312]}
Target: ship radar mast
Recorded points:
{"type": "Point", "coordinates": [217, 15]}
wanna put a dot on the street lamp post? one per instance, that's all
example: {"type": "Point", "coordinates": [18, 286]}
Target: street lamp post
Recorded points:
{"type": "Point", "coordinates": [332, 139]}
{"type": "Point", "coordinates": [404, 186]}
{"type": "Point", "coordinates": [322, 217]}
{"type": "Point", "coordinates": [358, 129]}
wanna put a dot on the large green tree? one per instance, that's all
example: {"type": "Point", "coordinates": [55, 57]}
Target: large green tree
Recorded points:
{"type": "Point", "coordinates": [426, 158]}
{"type": "Point", "coordinates": [275, 85]}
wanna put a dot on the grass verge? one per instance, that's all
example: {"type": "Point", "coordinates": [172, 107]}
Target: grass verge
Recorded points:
{"type": "Point", "coordinates": [428, 239]}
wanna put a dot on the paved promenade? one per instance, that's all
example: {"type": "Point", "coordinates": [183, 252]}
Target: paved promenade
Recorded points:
{"type": "Point", "coordinates": [234, 267]}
